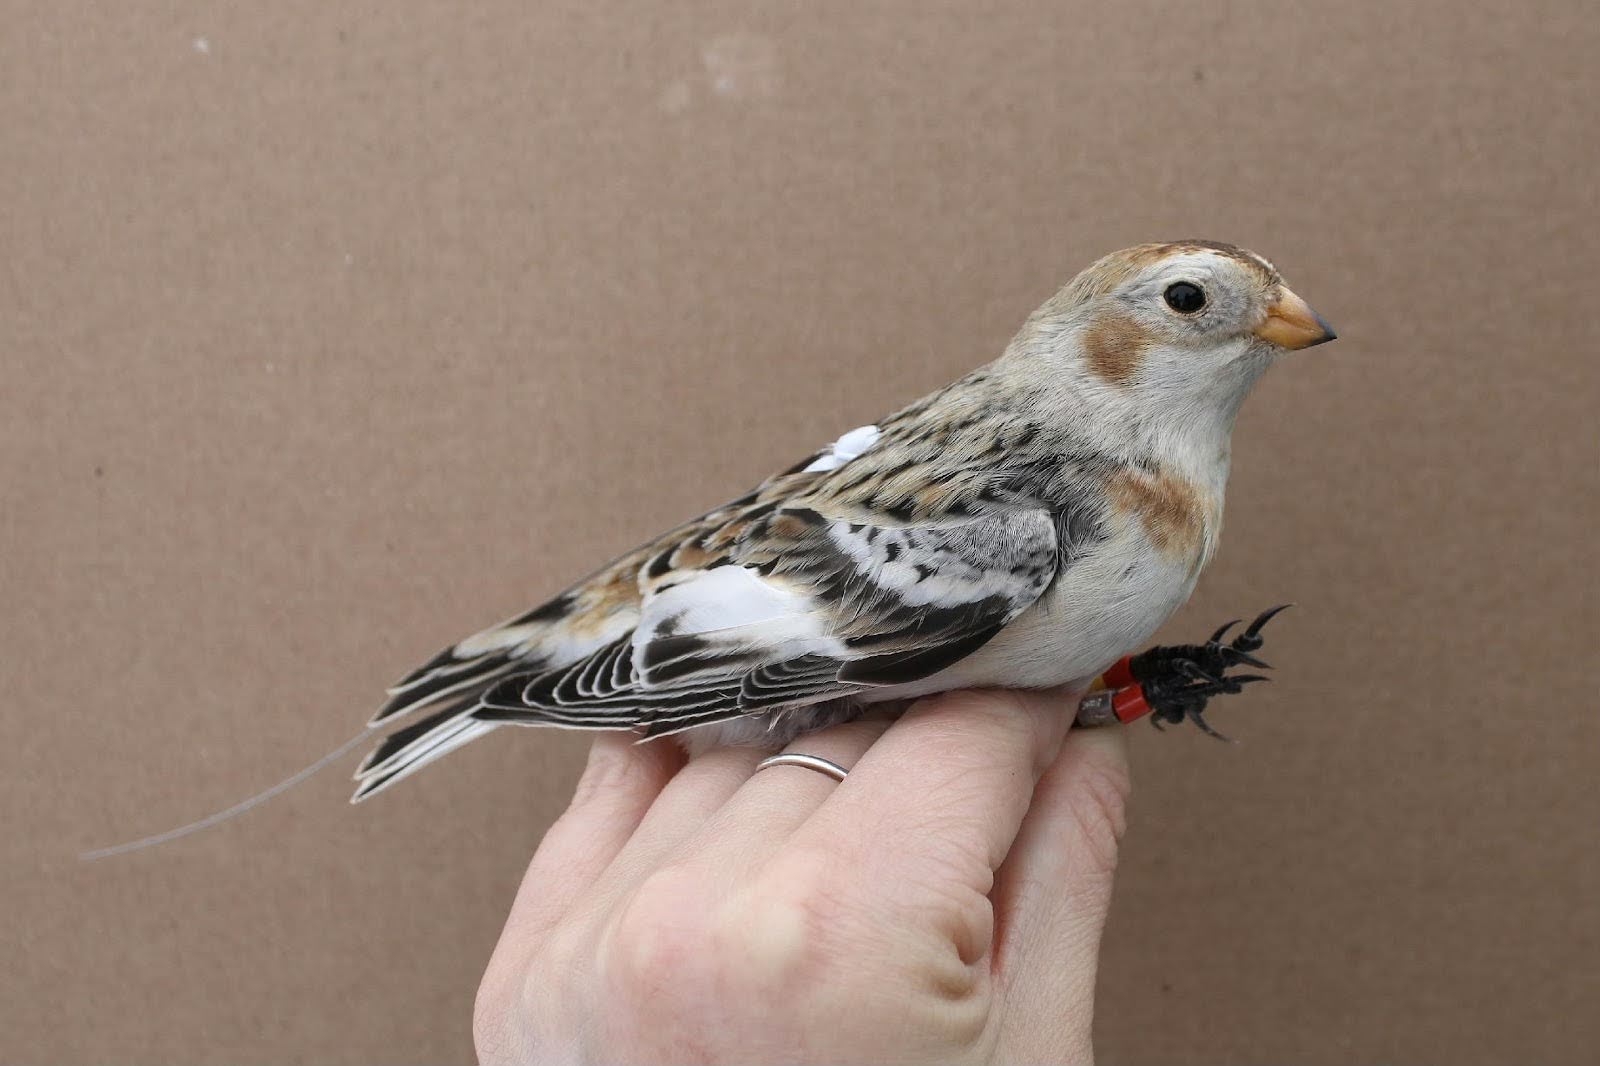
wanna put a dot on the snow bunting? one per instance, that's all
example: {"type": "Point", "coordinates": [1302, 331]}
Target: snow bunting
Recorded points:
{"type": "Point", "coordinates": [1028, 526]}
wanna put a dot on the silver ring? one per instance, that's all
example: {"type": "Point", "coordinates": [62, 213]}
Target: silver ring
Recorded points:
{"type": "Point", "coordinates": [810, 762]}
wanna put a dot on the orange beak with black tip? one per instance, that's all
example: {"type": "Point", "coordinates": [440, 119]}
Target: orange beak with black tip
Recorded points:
{"type": "Point", "coordinates": [1291, 324]}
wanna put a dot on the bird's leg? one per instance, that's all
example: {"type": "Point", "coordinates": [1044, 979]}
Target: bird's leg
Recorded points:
{"type": "Point", "coordinates": [1173, 682]}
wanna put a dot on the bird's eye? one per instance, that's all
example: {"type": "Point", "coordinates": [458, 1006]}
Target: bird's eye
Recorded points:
{"type": "Point", "coordinates": [1185, 298]}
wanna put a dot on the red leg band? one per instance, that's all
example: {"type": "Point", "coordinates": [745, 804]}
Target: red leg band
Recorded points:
{"type": "Point", "coordinates": [1128, 703]}
{"type": "Point", "coordinates": [1120, 675]}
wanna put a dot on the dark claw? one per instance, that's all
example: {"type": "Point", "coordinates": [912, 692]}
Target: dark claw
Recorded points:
{"type": "Point", "coordinates": [1249, 660]}
{"type": "Point", "coordinates": [1222, 631]}
{"type": "Point", "coordinates": [1250, 639]}
{"type": "Point", "coordinates": [1199, 719]}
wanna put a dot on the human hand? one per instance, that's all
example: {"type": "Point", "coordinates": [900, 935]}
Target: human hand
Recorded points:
{"type": "Point", "coordinates": [942, 904]}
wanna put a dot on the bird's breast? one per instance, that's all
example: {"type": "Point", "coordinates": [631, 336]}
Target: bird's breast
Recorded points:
{"type": "Point", "coordinates": [1179, 519]}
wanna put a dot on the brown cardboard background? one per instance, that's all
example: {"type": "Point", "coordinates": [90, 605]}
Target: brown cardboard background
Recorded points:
{"type": "Point", "coordinates": [366, 324]}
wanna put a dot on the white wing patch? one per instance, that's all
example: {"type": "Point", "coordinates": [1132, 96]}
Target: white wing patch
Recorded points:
{"type": "Point", "coordinates": [844, 449]}
{"type": "Point", "coordinates": [721, 598]}
{"type": "Point", "coordinates": [736, 610]}
{"type": "Point", "coordinates": [735, 607]}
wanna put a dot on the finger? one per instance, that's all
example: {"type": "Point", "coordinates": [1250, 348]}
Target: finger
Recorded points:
{"type": "Point", "coordinates": [934, 805]}
{"type": "Point", "coordinates": [678, 813]}
{"type": "Point", "coordinates": [620, 781]}
{"type": "Point", "coordinates": [1053, 892]}
{"type": "Point", "coordinates": [771, 805]}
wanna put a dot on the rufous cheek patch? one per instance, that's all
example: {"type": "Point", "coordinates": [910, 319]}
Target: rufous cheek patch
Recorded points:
{"type": "Point", "coordinates": [1114, 346]}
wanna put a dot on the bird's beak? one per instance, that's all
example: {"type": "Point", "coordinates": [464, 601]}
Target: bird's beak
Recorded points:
{"type": "Point", "coordinates": [1291, 324]}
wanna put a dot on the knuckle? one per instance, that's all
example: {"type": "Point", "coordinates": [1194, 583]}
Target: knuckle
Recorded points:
{"type": "Point", "coordinates": [972, 925]}
{"type": "Point", "coordinates": [960, 916]}
{"type": "Point", "coordinates": [967, 1022]}
{"type": "Point", "coordinates": [806, 916]}
{"type": "Point", "coordinates": [653, 948]}
{"type": "Point", "coordinates": [777, 937]}
{"type": "Point", "coordinates": [785, 919]}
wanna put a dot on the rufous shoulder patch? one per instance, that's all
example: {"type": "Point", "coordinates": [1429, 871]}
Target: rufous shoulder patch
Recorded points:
{"type": "Point", "coordinates": [1172, 512]}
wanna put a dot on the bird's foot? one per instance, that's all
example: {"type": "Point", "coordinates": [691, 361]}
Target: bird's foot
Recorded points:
{"type": "Point", "coordinates": [1174, 682]}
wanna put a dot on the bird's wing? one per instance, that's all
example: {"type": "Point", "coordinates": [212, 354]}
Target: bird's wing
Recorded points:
{"type": "Point", "coordinates": [600, 608]}
{"type": "Point", "coordinates": [881, 559]}
{"type": "Point", "coordinates": [786, 606]}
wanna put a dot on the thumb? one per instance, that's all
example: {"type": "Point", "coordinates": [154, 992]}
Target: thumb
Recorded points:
{"type": "Point", "coordinates": [1053, 891]}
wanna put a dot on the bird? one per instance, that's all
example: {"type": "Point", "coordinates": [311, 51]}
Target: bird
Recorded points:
{"type": "Point", "coordinates": [1028, 526]}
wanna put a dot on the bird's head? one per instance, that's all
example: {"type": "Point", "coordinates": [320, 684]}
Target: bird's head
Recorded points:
{"type": "Point", "coordinates": [1188, 323]}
